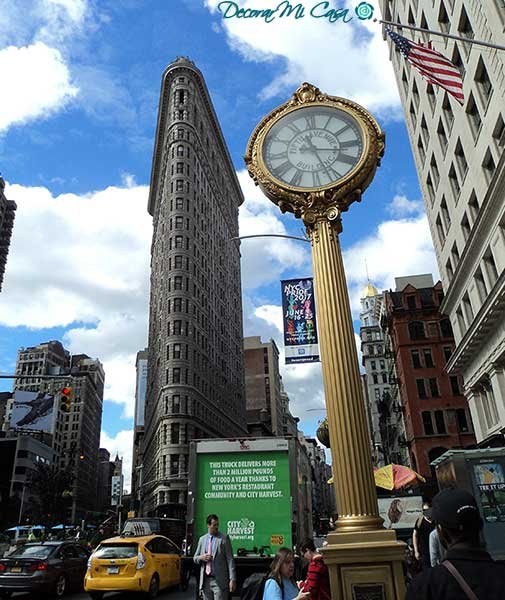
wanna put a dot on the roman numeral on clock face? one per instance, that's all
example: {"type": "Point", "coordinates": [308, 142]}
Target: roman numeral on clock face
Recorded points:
{"type": "Point", "coordinates": [349, 144]}
{"type": "Point", "coordinates": [283, 168]}
{"type": "Point", "coordinates": [348, 160]}
{"type": "Point", "coordinates": [297, 178]}
{"type": "Point", "coordinates": [311, 121]}
{"type": "Point", "coordinates": [333, 173]}
{"type": "Point", "coordinates": [342, 129]}
{"type": "Point", "coordinates": [293, 128]}
{"type": "Point", "coordinates": [273, 156]}
{"type": "Point", "coordinates": [316, 180]}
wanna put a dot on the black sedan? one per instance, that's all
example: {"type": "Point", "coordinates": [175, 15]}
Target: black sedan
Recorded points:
{"type": "Point", "coordinates": [43, 567]}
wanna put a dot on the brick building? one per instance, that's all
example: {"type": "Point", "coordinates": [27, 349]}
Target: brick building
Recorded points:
{"type": "Point", "coordinates": [436, 413]}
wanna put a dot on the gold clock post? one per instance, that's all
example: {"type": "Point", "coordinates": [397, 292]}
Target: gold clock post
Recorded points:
{"type": "Point", "coordinates": [364, 559]}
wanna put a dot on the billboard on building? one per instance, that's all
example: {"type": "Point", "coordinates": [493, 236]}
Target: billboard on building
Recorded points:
{"type": "Point", "coordinates": [299, 318]}
{"type": "Point", "coordinates": [33, 411]}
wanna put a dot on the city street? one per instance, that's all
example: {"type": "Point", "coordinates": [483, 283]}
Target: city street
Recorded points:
{"type": "Point", "coordinates": [168, 594]}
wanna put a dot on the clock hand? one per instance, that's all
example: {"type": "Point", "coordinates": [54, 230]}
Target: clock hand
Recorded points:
{"type": "Point", "coordinates": [314, 149]}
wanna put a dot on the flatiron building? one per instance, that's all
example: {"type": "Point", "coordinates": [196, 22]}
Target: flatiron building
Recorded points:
{"type": "Point", "coordinates": [195, 380]}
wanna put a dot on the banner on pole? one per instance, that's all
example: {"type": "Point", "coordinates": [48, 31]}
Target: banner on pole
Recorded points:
{"type": "Point", "coordinates": [299, 318]}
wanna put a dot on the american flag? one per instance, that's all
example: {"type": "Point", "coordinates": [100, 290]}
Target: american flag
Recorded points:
{"type": "Point", "coordinates": [432, 65]}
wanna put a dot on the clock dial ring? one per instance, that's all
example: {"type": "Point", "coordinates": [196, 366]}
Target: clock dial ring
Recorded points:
{"type": "Point", "coordinates": [313, 147]}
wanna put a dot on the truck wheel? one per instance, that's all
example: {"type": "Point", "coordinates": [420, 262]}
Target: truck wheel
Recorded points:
{"type": "Point", "coordinates": [154, 587]}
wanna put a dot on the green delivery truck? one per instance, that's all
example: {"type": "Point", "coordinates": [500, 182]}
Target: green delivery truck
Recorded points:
{"type": "Point", "coordinates": [257, 489]}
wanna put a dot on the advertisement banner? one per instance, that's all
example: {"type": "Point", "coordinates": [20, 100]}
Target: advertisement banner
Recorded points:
{"type": "Point", "coordinates": [299, 319]}
{"type": "Point", "coordinates": [490, 480]}
{"type": "Point", "coordinates": [33, 411]}
{"type": "Point", "coordinates": [401, 512]}
{"type": "Point", "coordinates": [250, 494]}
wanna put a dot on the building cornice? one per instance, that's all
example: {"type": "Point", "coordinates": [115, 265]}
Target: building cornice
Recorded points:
{"type": "Point", "coordinates": [489, 314]}
{"type": "Point", "coordinates": [177, 68]}
{"type": "Point", "coordinates": [493, 202]}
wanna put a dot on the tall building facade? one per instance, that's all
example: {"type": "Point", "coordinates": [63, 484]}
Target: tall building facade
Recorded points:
{"type": "Point", "coordinates": [139, 421]}
{"type": "Point", "coordinates": [105, 472]}
{"type": "Point", "coordinates": [195, 383]}
{"type": "Point", "coordinates": [436, 412]}
{"type": "Point", "coordinates": [377, 368]}
{"type": "Point", "coordinates": [264, 403]}
{"type": "Point", "coordinates": [7, 213]}
{"type": "Point", "coordinates": [76, 435]}
{"type": "Point", "coordinates": [460, 160]}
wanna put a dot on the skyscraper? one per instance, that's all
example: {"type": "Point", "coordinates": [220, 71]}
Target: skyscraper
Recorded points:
{"type": "Point", "coordinates": [195, 383]}
{"type": "Point", "coordinates": [76, 435]}
{"type": "Point", "coordinates": [377, 365]}
{"type": "Point", "coordinates": [138, 423]}
{"type": "Point", "coordinates": [7, 211]}
{"type": "Point", "coordinates": [460, 160]}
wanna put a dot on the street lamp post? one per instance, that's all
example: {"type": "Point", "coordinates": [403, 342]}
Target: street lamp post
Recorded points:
{"type": "Point", "coordinates": [314, 156]}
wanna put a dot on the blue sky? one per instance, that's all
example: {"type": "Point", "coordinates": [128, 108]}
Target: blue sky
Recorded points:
{"type": "Point", "coordinates": [81, 81]}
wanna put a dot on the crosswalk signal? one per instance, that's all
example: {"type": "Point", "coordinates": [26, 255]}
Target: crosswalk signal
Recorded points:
{"type": "Point", "coordinates": [67, 394]}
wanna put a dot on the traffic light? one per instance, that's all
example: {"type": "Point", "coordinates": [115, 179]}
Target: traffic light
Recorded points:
{"type": "Point", "coordinates": [67, 393]}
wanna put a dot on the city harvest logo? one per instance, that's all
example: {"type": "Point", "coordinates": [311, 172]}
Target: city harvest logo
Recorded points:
{"type": "Point", "coordinates": [320, 10]}
{"type": "Point", "coordinates": [242, 529]}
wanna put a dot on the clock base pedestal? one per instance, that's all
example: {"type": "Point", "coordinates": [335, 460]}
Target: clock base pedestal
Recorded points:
{"type": "Point", "coordinates": [365, 565]}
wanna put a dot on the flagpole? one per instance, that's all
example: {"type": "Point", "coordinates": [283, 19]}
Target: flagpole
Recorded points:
{"type": "Point", "coordinates": [445, 35]}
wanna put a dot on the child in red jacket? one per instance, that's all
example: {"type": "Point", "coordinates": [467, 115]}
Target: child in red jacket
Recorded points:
{"type": "Point", "coordinates": [318, 579]}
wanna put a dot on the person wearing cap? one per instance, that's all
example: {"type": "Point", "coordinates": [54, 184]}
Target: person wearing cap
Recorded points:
{"type": "Point", "coordinates": [468, 571]}
{"type": "Point", "coordinates": [421, 537]}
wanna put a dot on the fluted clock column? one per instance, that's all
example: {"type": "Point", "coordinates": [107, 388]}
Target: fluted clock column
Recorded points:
{"type": "Point", "coordinates": [314, 156]}
{"type": "Point", "coordinates": [350, 446]}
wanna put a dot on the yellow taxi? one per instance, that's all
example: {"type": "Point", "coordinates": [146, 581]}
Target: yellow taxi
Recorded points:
{"type": "Point", "coordinates": [146, 563]}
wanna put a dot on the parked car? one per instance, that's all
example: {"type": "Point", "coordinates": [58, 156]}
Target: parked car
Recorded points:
{"type": "Point", "coordinates": [43, 567]}
{"type": "Point", "coordinates": [133, 563]}
{"type": "Point", "coordinates": [5, 544]}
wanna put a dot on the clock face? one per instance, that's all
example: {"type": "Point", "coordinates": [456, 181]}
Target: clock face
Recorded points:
{"type": "Point", "coordinates": [313, 147]}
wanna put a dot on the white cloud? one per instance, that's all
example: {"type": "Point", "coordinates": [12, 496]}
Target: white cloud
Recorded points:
{"type": "Point", "coordinates": [401, 206]}
{"type": "Point", "coordinates": [76, 9]}
{"type": "Point", "coordinates": [83, 260]}
{"type": "Point", "coordinates": [264, 259]}
{"type": "Point", "coordinates": [121, 444]}
{"type": "Point", "coordinates": [397, 248]}
{"type": "Point", "coordinates": [23, 70]}
{"type": "Point", "coordinates": [318, 51]}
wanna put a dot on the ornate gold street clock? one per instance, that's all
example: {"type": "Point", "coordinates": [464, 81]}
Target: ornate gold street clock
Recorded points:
{"type": "Point", "coordinates": [315, 154]}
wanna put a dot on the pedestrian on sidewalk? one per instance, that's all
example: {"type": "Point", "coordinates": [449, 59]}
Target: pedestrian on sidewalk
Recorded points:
{"type": "Point", "coordinates": [468, 571]}
{"type": "Point", "coordinates": [214, 554]}
{"type": "Point", "coordinates": [437, 551]}
{"type": "Point", "coordinates": [318, 578]}
{"type": "Point", "coordinates": [421, 537]}
{"type": "Point", "coordinates": [280, 584]}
